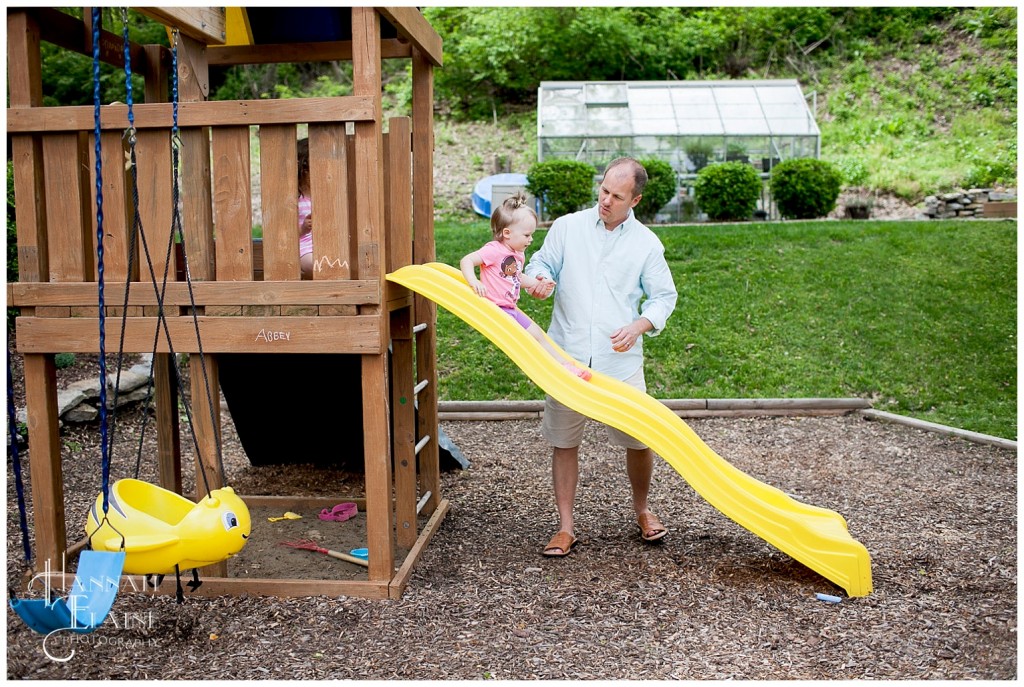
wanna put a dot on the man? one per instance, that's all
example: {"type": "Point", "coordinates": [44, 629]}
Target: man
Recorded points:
{"type": "Point", "coordinates": [604, 261]}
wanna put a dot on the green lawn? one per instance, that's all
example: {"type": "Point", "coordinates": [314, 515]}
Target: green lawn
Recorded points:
{"type": "Point", "coordinates": [918, 317]}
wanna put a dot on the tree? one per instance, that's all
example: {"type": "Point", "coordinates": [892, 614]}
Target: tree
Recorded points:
{"type": "Point", "coordinates": [68, 76]}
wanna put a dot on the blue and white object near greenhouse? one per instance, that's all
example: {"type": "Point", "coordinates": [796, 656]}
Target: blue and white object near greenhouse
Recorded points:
{"type": "Point", "coordinates": [484, 191]}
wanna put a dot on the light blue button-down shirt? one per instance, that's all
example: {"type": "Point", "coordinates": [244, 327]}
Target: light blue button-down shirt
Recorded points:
{"type": "Point", "coordinates": [601, 278]}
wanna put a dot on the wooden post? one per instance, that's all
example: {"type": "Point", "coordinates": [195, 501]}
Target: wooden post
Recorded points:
{"type": "Point", "coordinates": [404, 419]}
{"type": "Point", "coordinates": [423, 252]}
{"type": "Point", "coordinates": [398, 216]}
{"type": "Point", "coordinates": [25, 89]}
{"type": "Point", "coordinates": [165, 388]}
{"type": "Point", "coordinates": [371, 250]}
{"type": "Point", "coordinates": [153, 155]}
{"type": "Point", "coordinates": [206, 422]}
{"type": "Point", "coordinates": [197, 235]}
{"type": "Point", "coordinates": [45, 465]}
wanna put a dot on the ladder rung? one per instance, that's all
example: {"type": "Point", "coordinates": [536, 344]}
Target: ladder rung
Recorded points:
{"type": "Point", "coordinates": [422, 502]}
{"type": "Point", "coordinates": [420, 387]}
{"type": "Point", "coordinates": [419, 328]}
{"type": "Point", "coordinates": [421, 443]}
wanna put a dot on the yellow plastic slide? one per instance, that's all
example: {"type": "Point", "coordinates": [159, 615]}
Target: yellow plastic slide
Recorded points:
{"type": "Point", "coordinates": [817, 537]}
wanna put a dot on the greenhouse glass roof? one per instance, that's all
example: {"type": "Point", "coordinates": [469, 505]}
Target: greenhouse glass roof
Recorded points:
{"type": "Point", "coordinates": [688, 124]}
{"type": "Point", "coordinates": [673, 108]}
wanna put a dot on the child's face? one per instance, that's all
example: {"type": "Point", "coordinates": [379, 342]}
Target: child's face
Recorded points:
{"type": "Point", "coordinates": [519, 234]}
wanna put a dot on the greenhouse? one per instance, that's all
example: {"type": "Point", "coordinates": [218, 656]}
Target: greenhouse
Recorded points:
{"type": "Point", "coordinates": [689, 124]}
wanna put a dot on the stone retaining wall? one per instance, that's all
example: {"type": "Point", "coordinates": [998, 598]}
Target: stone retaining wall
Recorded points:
{"type": "Point", "coordinates": [976, 202]}
{"type": "Point", "coordinates": [79, 401]}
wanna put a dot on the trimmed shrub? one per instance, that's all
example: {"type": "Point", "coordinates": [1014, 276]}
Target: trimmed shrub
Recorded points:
{"type": "Point", "coordinates": [563, 186]}
{"type": "Point", "coordinates": [728, 190]}
{"type": "Point", "coordinates": [805, 188]}
{"type": "Point", "coordinates": [64, 360]}
{"type": "Point", "coordinates": [660, 189]}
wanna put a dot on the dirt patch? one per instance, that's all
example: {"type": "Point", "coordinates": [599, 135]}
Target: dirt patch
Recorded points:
{"type": "Point", "coordinates": [882, 205]}
{"type": "Point", "coordinates": [266, 556]}
{"type": "Point", "coordinates": [295, 548]}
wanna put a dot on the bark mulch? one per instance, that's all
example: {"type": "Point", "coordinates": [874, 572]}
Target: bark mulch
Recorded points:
{"type": "Point", "coordinates": [711, 601]}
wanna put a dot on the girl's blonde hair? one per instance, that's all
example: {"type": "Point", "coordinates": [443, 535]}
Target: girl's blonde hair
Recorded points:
{"type": "Point", "coordinates": [505, 213]}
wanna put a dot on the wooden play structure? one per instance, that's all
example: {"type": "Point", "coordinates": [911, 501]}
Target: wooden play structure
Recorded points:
{"type": "Point", "coordinates": [372, 193]}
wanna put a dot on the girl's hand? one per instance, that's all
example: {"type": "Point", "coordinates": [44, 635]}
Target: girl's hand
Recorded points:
{"type": "Point", "coordinates": [479, 288]}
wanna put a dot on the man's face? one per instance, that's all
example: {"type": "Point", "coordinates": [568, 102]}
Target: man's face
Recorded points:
{"type": "Point", "coordinates": [615, 198]}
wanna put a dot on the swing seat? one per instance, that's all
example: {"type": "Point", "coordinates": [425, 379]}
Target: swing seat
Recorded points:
{"type": "Point", "coordinates": [162, 531]}
{"type": "Point", "coordinates": [92, 595]}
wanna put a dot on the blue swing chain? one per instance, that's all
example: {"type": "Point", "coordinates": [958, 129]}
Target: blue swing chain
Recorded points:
{"type": "Point", "coordinates": [104, 440]}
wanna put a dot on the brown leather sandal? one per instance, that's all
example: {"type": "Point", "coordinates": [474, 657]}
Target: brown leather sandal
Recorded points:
{"type": "Point", "coordinates": [651, 528]}
{"type": "Point", "coordinates": [560, 545]}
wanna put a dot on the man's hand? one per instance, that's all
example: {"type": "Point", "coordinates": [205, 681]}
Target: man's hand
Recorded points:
{"type": "Point", "coordinates": [624, 338]}
{"type": "Point", "coordinates": [542, 289]}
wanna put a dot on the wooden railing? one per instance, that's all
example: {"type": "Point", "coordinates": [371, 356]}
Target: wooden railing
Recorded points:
{"type": "Point", "coordinates": [231, 273]}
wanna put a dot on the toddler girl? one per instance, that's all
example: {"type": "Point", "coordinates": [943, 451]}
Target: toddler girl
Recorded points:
{"type": "Point", "coordinates": [501, 268]}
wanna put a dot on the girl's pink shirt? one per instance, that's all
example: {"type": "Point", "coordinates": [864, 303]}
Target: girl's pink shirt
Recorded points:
{"type": "Point", "coordinates": [305, 240]}
{"type": "Point", "coordinates": [499, 273]}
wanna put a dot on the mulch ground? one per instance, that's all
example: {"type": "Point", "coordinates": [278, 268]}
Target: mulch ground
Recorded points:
{"type": "Point", "coordinates": [711, 601]}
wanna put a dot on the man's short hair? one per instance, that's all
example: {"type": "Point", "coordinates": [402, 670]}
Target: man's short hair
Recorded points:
{"type": "Point", "coordinates": [639, 173]}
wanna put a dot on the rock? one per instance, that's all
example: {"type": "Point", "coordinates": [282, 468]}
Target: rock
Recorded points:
{"type": "Point", "coordinates": [83, 412]}
{"type": "Point", "coordinates": [90, 388]}
{"type": "Point", "coordinates": [69, 398]}
{"type": "Point", "coordinates": [74, 401]}
{"type": "Point", "coordinates": [129, 381]}
{"type": "Point", "coordinates": [133, 396]}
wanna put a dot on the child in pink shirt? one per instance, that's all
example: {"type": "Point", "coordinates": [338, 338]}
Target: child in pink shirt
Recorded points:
{"type": "Point", "coordinates": [501, 269]}
{"type": "Point", "coordinates": [305, 212]}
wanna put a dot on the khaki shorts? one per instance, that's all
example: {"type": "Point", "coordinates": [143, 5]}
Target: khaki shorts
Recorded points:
{"type": "Point", "coordinates": [562, 427]}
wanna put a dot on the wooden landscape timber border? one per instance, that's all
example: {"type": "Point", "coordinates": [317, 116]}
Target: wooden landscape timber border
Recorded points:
{"type": "Point", "coordinates": [723, 407]}
{"type": "Point", "coordinates": [976, 437]}
{"type": "Point", "coordinates": [683, 407]}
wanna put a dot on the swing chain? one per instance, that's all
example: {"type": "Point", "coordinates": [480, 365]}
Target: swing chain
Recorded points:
{"type": "Point", "coordinates": [130, 135]}
{"type": "Point", "coordinates": [176, 141]}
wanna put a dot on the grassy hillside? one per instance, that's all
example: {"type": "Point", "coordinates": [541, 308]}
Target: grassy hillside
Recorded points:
{"type": "Point", "coordinates": [939, 114]}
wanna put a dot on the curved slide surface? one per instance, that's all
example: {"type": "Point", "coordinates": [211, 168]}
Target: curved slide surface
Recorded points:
{"type": "Point", "coordinates": [817, 537]}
